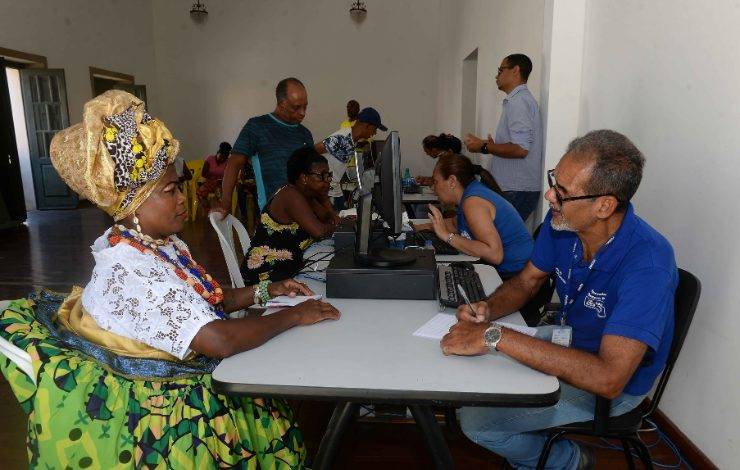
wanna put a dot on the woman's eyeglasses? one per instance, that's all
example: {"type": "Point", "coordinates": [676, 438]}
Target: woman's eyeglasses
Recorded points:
{"type": "Point", "coordinates": [324, 176]}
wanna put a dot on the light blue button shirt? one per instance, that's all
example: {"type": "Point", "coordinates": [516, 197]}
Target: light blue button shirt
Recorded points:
{"type": "Point", "coordinates": [520, 124]}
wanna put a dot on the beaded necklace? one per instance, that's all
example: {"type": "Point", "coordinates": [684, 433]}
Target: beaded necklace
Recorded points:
{"type": "Point", "coordinates": [184, 266]}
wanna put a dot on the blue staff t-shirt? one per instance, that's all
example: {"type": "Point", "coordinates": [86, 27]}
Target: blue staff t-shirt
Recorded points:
{"type": "Point", "coordinates": [269, 143]}
{"type": "Point", "coordinates": [516, 241]}
{"type": "Point", "coordinates": [629, 292]}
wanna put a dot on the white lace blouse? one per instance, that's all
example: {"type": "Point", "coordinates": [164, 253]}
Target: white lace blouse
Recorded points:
{"type": "Point", "coordinates": [139, 296]}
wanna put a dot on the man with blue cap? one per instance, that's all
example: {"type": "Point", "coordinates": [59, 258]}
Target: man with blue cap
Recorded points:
{"type": "Point", "coordinates": [342, 146]}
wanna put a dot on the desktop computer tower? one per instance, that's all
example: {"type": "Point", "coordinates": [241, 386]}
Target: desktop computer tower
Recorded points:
{"type": "Point", "coordinates": [346, 278]}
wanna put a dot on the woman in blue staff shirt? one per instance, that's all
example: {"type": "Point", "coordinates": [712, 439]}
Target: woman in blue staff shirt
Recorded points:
{"type": "Point", "coordinates": [486, 225]}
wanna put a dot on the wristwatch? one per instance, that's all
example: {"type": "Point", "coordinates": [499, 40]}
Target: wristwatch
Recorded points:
{"type": "Point", "coordinates": [484, 149]}
{"type": "Point", "coordinates": [492, 336]}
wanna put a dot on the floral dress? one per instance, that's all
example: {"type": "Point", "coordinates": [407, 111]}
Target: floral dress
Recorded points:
{"type": "Point", "coordinates": [276, 252]}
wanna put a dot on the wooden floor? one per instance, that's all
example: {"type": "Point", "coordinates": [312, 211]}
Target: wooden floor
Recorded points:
{"type": "Point", "coordinates": [52, 250]}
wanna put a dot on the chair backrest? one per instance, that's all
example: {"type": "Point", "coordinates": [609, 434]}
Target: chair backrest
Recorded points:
{"type": "Point", "coordinates": [686, 299]}
{"type": "Point", "coordinates": [15, 354]}
{"type": "Point", "coordinates": [196, 167]}
{"type": "Point", "coordinates": [225, 230]}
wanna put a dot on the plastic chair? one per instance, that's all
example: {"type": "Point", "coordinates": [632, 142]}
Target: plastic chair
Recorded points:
{"type": "Point", "coordinates": [15, 354]}
{"type": "Point", "coordinates": [625, 427]}
{"type": "Point", "coordinates": [225, 234]}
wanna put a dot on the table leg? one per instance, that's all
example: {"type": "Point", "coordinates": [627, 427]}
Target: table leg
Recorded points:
{"type": "Point", "coordinates": [424, 417]}
{"type": "Point", "coordinates": [342, 416]}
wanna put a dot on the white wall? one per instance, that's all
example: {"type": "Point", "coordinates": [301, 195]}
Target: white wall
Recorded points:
{"type": "Point", "coordinates": [213, 77]}
{"type": "Point", "coordinates": [76, 34]}
{"type": "Point", "coordinates": [497, 29]}
{"type": "Point", "coordinates": [666, 74]}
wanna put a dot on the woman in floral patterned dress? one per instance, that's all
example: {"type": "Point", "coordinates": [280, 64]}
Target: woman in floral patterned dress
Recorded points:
{"type": "Point", "coordinates": [121, 371]}
{"type": "Point", "coordinates": [298, 214]}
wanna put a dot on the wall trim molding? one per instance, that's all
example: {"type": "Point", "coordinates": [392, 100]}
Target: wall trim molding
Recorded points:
{"type": "Point", "coordinates": [32, 60]}
{"type": "Point", "coordinates": [693, 455]}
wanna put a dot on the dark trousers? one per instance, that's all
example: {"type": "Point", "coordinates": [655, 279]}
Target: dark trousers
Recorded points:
{"type": "Point", "coordinates": [523, 201]}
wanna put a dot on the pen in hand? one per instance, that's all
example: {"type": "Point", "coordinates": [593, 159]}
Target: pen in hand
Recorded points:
{"type": "Point", "coordinates": [465, 298]}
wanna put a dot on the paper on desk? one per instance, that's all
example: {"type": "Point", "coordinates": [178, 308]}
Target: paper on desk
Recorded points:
{"type": "Point", "coordinates": [440, 324]}
{"type": "Point", "coordinates": [287, 301]}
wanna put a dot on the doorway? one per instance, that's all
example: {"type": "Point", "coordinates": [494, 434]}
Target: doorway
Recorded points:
{"type": "Point", "coordinates": [102, 80]}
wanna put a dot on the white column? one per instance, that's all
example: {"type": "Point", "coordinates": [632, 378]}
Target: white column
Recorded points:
{"type": "Point", "coordinates": [562, 44]}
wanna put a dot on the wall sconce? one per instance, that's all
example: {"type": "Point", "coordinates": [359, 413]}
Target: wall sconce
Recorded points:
{"type": "Point", "coordinates": [358, 11]}
{"type": "Point", "coordinates": [198, 12]}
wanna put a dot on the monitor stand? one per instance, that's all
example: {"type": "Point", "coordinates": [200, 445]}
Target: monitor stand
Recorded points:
{"type": "Point", "coordinates": [385, 257]}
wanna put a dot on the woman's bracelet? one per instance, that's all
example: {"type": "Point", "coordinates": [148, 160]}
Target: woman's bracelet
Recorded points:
{"type": "Point", "coordinates": [449, 238]}
{"type": "Point", "coordinates": [264, 293]}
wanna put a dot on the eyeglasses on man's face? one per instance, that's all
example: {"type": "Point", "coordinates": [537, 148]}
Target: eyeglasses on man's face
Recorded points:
{"type": "Point", "coordinates": [504, 67]}
{"type": "Point", "coordinates": [559, 197]}
{"type": "Point", "coordinates": [324, 175]}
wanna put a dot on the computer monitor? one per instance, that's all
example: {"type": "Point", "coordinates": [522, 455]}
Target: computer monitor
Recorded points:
{"type": "Point", "coordinates": [386, 198]}
{"type": "Point", "coordinates": [387, 193]}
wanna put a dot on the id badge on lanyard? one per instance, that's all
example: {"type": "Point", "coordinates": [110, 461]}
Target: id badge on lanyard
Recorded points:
{"type": "Point", "coordinates": [563, 334]}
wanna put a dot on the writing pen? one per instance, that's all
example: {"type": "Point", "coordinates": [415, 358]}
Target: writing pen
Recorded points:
{"type": "Point", "coordinates": [465, 298]}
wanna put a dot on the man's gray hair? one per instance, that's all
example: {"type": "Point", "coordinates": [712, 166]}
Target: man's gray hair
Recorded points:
{"type": "Point", "coordinates": [281, 90]}
{"type": "Point", "coordinates": [617, 164]}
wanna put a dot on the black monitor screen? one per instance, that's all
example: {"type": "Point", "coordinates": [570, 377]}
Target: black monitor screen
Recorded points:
{"type": "Point", "coordinates": [387, 194]}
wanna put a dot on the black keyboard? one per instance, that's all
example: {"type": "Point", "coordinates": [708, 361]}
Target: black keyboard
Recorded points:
{"type": "Point", "coordinates": [463, 273]}
{"type": "Point", "coordinates": [440, 247]}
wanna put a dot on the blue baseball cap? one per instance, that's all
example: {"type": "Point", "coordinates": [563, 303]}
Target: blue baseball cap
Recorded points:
{"type": "Point", "coordinates": [371, 116]}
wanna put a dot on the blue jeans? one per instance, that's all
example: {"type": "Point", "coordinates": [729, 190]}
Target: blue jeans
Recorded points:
{"type": "Point", "coordinates": [523, 201]}
{"type": "Point", "coordinates": [512, 432]}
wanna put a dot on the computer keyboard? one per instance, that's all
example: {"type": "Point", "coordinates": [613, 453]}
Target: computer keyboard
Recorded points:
{"type": "Point", "coordinates": [440, 247]}
{"type": "Point", "coordinates": [449, 276]}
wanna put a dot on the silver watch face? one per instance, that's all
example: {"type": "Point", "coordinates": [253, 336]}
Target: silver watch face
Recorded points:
{"type": "Point", "coordinates": [492, 336]}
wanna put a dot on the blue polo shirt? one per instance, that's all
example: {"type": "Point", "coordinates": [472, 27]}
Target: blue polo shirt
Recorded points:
{"type": "Point", "coordinates": [270, 142]}
{"type": "Point", "coordinates": [515, 240]}
{"type": "Point", "coordinates": [629, 291]}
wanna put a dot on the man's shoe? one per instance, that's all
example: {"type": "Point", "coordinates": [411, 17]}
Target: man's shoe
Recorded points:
{"type": "Point", "coordinates": [588, 459]}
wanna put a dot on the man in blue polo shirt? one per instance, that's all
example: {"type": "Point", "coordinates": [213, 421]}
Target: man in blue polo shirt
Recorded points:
{"type": "Point", "coordinates": [616, 277]}
{"type": "Point", "coordinates": [269, 141]}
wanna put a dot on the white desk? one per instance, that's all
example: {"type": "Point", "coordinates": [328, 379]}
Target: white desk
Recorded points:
{"type": "Point", "coordinates": [425, 196]}
{"type": "Point", "coordinates": [370, 356]}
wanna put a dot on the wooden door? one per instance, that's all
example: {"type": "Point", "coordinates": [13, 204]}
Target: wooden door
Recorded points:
{"type": "Point", "coordinates": [45, 104]}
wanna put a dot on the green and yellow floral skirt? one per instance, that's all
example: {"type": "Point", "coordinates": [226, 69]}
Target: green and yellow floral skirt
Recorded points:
{"type": "Point", "coordinates": [86, 411]}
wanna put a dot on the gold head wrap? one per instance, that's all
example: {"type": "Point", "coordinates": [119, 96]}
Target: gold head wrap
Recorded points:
{"type": "Point", "coordinates": [116, 155]}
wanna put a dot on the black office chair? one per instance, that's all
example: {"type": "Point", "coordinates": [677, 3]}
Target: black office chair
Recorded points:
{"type": "Point", "coordinates": [625, 427]}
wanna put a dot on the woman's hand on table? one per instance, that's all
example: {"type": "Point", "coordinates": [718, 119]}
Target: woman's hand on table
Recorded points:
{"type": "Point", "coordinates": [314, 311]}
{"type": "Point", "coordinates": [438, 223]}
{"type": "Point", "coordinates": [289, 287]}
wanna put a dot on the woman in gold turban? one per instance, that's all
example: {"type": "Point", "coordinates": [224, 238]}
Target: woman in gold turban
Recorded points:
{"type": "Point", "coordinates": [122, 368]}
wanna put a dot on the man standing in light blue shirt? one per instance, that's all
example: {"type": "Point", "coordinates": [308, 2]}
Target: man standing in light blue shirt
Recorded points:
{"type": "Point", "coordinates": [517, 148]}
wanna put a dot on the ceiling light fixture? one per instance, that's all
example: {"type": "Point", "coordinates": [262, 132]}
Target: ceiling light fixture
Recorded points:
{"type": "Point", "coordinates": [358, 11]}
{"type": "Point", "coordinates": [198, 12]}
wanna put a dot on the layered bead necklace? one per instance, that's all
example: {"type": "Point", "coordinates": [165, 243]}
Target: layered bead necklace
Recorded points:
{"type": "Point", "coordinates": [184, 266]}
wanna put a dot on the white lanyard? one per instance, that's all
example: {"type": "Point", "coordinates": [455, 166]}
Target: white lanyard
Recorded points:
{"type": "Point", "coordinates": [568, 301]}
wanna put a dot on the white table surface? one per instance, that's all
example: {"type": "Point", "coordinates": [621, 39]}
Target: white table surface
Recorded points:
{"type": "Point", "coordinates": [370, 355]}
{"type": "Point", "coordinates": [426, 195]}
{"type": "Point", "coordinates": [446, 258]}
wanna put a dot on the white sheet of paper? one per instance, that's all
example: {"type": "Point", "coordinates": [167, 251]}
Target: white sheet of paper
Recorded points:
{"type": "Point", "coordinates": [287, 301]}
{"type": "Point", "coordinates": [440, 324]}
